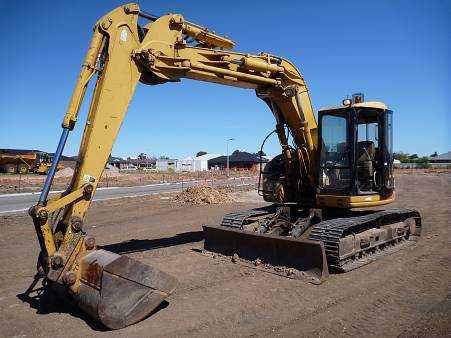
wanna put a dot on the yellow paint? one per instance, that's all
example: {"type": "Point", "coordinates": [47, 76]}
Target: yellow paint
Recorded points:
{"type": "Point", "coordinates": [352, 201]}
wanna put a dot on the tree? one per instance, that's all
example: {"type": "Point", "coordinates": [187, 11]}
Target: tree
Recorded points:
{"type": "Point", "coordinates": [434, 154]}
{"type": "Point", "coordinates": [236, 152]}
{"type": "Point", "coordinates": [260, 153]}
{"type": "Point", "coordinates": [163, 157]}
{"type": "Point", "coordinates": [200, 153]}
{"type": "Point", "coordinates": [423, 162]}
{"type": "Point", "coordinates": [402, 157]}
{"type": "Point", "coordinates": [142, 156]}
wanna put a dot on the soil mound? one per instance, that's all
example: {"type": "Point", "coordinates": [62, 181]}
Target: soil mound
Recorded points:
{"type": "Point", "coordinates": [204, 195]}
{"type": "Point", "coordinates": [66, 172]}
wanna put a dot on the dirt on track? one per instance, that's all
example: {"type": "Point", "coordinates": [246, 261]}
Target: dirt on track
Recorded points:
{"type": "Point", "coordinates": [406, 294]}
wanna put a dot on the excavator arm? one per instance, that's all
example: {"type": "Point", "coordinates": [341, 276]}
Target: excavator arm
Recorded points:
{"type": "Point", "coordinates": [166, 56]}
{"type": "Point", "coordinates": [115, 289]}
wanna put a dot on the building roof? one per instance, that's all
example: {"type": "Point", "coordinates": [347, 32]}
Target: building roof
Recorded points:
{"type": "Point", "coordinates": [166, 159]}
{"type": "Point", "coordinates": [441, 157]}
{"type": "Point", "coordinates": [208, 156]}
{"type": "Point", "coordinates": [189, 158]}
{"type": "Point", "coordinates": [113, 159]}
{"type": "Point", "coordinates": [237, 157]}
{"type": "Point", "coordinates": [204, 157]}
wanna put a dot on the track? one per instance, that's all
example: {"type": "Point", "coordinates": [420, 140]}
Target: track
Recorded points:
{"type": "Point", "coordinates": [330, 232]}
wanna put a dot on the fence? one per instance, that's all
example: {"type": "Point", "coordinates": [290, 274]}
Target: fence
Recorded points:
{"type": "Point", "coordinates": [23, 183]}
{"type": "Point", "coordinates": [429, 165]}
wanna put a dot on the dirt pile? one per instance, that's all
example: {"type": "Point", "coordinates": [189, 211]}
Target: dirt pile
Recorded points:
{"type": "Point", "coordinates": [66, 172]}
{"type": "Point", "coordinates": [204, 195]}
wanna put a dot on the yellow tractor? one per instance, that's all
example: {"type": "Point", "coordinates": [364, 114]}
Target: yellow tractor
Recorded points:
{"type": "Point", "coordinates": [36, 162]}
{"type": "Point", "coordinates": [43, 163]}
{"type": "Point", "coordinates": [328, 168]}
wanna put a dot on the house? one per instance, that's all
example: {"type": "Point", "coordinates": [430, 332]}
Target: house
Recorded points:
{"type": "Point", "coordinates": [203, 160]}
{"type": "Point", "coordinates": [187, 164]}
{"type": "Point", "coordinates": [442, 158]}
{"type": "Point", "coordinates": [238, 161]}
{"type": "Point", "coordinates": [166, 164]}
{"type": "Point", "coordinates": [131, 162]}
{"type": "Point", "coordinates": [195, 163]}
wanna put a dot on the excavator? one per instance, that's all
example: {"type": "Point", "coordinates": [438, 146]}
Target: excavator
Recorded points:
{"type": "Point", "coordinates": [323, 187]}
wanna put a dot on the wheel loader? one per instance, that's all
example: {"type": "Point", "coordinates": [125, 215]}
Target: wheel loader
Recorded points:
{"type": "Point", "coordinates": [323, 187]}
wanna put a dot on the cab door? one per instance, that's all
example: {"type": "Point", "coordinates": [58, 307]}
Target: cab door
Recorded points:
{"type": "Point", "coordinates": [386, 132]}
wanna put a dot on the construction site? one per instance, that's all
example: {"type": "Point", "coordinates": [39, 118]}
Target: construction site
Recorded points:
{"type": "Point", "coordinates": [407, 294]}
{"type": "Point", "coordinates": [334, 235]}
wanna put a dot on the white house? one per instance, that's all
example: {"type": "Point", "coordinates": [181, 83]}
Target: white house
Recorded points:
{"type": "Point", "coordinates": [203, 160]}
{"type": "Point", "coordinates": [191, 163]}
{"type": "Point", "coordinates": [187, 164]}
{"type": "Point", "coordinates": [166, 165]}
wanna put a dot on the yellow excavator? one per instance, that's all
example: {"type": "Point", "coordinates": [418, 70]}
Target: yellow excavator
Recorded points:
{"type": "Point", "coordinates": [325, 170]}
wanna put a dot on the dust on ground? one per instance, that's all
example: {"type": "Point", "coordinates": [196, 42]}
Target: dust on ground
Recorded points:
{"type": "Point", "coordinates": [406, 294]}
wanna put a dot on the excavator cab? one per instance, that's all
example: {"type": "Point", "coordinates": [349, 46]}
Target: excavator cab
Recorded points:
{"type": "Point", "coordinates": [356, 155]}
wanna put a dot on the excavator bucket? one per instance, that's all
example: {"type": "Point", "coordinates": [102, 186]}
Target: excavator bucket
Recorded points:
{"type": "Point", "coordinates": [119, 291]}
{"type": "Point", "coordinates": [286, 256]}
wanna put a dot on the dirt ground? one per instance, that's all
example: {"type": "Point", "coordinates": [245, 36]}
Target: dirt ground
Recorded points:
{"type": "Point", "coordinates": [407, 294]}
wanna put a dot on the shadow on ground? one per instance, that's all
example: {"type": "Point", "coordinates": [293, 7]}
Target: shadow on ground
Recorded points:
{"type": "Point", "coordinates": [47, 299]}
{"type": "Point", "coordinates": [138, 245]}
{"type": "Point", "coordinates": [52, 298]}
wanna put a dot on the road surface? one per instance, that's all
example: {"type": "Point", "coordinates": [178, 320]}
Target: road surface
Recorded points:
{"type": "Point", "coordinates": [13, 203]}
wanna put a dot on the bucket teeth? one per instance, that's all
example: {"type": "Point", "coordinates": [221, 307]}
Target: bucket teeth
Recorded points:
{"type": "Point", "coordinates": [118, 290]}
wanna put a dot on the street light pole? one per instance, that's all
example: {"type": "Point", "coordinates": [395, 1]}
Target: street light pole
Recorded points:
{"type": "Point", "coordinates": [227, 142]}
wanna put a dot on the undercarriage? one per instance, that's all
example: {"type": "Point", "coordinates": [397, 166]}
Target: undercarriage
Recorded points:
{"type": "Point", "coordinates": [310, 243]}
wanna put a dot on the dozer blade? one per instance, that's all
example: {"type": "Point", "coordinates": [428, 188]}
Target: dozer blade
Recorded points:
{"type": "Point", "coordinates": [286, 256]}
{"type": "Point", "coordinates": [119, 291]}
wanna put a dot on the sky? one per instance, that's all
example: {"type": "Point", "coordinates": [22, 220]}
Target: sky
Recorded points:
{"type": "Point", "coordinates": [398, 52]}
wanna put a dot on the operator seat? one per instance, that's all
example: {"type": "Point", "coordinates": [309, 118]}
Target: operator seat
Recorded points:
{"type": "Point", "coordinates": [366, 151]}
{"type": "Point", "coordinates": [366, 155]}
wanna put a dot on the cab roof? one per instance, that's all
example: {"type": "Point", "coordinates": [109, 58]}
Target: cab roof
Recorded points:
{"type": "Point", "coordinates": [377, 105]}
